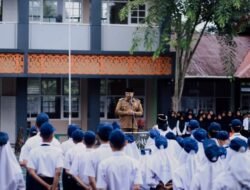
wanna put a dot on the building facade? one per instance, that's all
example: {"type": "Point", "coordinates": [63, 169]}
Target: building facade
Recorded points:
{"type": "Point", "coordinates": [36, 36]}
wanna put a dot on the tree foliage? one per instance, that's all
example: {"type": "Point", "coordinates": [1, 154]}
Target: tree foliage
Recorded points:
{"type": "Point", "coordinates": [178, 20]}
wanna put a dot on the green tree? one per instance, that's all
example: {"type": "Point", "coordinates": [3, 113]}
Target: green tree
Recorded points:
{"type": "Point", "coordinates": [178, 20]}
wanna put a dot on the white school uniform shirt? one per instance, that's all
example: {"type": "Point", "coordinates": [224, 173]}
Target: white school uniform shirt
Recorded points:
{"type": "Point", "coordinates": [45, 159]}
{"type": "Point", "coordinates": [101, 153]}
{"type": "Point", "coordinates": [66, 145]}
{"type": "Point", "coordinates": [239, 136]}
{"type": "Point", "coordinates": [246, 123]}
{"type": "Point", "coordinates": [132, 150]}
{"type": "Point", "coordinates": [11, 177]}
{"type": "Point", "coordinates": [72, 153]}
{"type": "Point", "coordinates": [79, 163]}
{"type": "Point", "coordinates": [34, 142]}
{"type": "Point", "coordinates": [183, 175]}
{"type": "Point", "coordinates": [205, 175]}
{"type": "Point", "coordinates": [118, 172]}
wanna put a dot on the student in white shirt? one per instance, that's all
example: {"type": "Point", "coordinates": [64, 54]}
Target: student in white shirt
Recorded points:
{"type": "Point", "coordinates": [150, 144]}
{"type": "Point", "coordinates": [200, 135]}
{"type": "Point", "coordinates": [79, 162]}
{"type": "Point", "coordinates": [45, 161]}
{"type": "Point", "coordinates": [101, 153]}
{"type": "Point", "coordinates": [183, 175]}
{"type": "Point", "coordinates": [236, 127]}
{"type": "Point", "coordinates": [11, 177]}
{"type": "Point", "coordinates": [118, 171]}
{"type": "Point", "coordinates": [67, 145]}
{"type": "Point", "coordinates": [70, 155]}
{"type": "Point", "coordinates": [131, 148]}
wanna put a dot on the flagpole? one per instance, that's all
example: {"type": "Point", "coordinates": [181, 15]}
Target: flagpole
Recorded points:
{"type": "Point", "coordinates": [69, 61]}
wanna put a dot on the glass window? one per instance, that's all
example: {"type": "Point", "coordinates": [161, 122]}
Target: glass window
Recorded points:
{"type": "Point", "coordinates": [35, 10]}
{"type": "Point", "coordinates": [116, 86]}
{"type": "Point", "coordinates": [73, 11]}
{"type": "Point", "coordinates": [48, 95]}
{"type": "Point", "coordinates": [50, 11]}
{"type": "Point", "coordinates": [111, 12]}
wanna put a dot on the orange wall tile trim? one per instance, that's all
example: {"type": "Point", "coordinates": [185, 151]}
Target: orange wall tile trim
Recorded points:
{"type": "Point", "coordinates": [99, 65]}
{"type": "Point", "coordinates": [11, 63]}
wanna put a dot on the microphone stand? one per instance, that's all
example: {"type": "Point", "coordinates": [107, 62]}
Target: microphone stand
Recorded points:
{"type": "Point", "coordinates": [133, 115]}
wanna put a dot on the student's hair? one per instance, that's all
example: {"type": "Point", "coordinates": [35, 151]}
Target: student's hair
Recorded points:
{"type": "Point", "coordinates": [117, 139]}
{"type": "Point", "coordinates": [236, 129]}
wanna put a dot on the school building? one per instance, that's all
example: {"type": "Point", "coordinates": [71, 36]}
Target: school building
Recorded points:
{"type": "Point", "coordinates": [35, 36]}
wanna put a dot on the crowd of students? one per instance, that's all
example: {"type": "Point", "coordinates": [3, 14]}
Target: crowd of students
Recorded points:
{"type": "Point", "coordinates": [206, 158]}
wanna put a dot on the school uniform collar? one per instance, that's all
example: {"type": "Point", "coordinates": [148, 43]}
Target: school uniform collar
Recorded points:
{"type": "Point", "coordinates": [45, 144]}
{"type": "Point", "coordinates": [119, 153]}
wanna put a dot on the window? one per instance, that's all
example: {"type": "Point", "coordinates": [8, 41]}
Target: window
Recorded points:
{"type": "Point", "coordinates": [55, 11]}
{"type": "Point", "coordinates": [113, 89]}
{"type": "Point", "coordinates": [73, 11]}
{"type": "Point", "coordinates": [111, 10]}
{"type": "Point", "coordinates": [48, 95]}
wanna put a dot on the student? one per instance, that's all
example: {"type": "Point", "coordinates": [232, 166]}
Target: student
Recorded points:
{"type": "Point", "coordinates": [192, 125]}
{"type": "Point", "coordinates": [45, 161]}
{"type": "Point", "coordinates": [79, 162]}
{"type": "Point", "coordinates": [11, 177]}
{"type": "Point", "coordinates": [131, 148]}
{"type": "Point", "coordinates": [118, 171]}
{"type": "Point", "coordinates": [33, 131]}
{"type": "Point", "coordinates": [150, 144]}
{"type": "Point", "coordinates": [223, 138]}
{"type": "Point", "coordinates": [102, 152]}
{"type": "Point", "coordinates": [237, 145]}
{"type": "Point", "coordinates": [207, 172]}
{"type": "Point", "coordinates": [66, 146]}
{"type": "Point", "coordinates": [70, 155]}
{"type": "Point", "coordinates": [183, 175]}
{"type": "Point", "coordinates": [236, 127]}
{"type": "Point", "coordinates": [213, 129]}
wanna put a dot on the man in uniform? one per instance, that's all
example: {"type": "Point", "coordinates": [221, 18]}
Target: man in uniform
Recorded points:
{"type": "Point", "coordinates": [128, 109]}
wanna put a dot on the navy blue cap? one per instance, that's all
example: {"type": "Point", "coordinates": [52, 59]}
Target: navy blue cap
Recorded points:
{"type": "Point", "coordinates": [208, 142]}
{"type": "Point", "coordinates": [89, 137]}
{"type": "Point", "coordinates": [200, 134]}
{"type": "Point", "coordinates": [46, 130]}
{"type": "Point", "coordinates": [154, 133]}
{"type": "Point", "coordinates": [222, 152]}
{"type": "Point", "coordinates": [71, 129]}
{"type": "Point", "coordinates": [222, 135]}
{"type": "Point", "coordinates": [130, 138]}
{"type": "Point", "coordinates": [180, 141]}
{"type": "Point", "coordinates": [4, 137]}
{"type": "Point", "coordinates": [212, 152]}
{"type": "Point", "coordinates": [161, 142]}
{"type": "Point", "coordinates": [193, 124]}
{"type": "Point", "coordinates": [117, 138]}
{"type": "Point", "coordinates": [104, 130]}
{"type": "Point", "coordinates": [236, 122]}
{"type": "Point", "coordinates": [42, 118]}
{"type": "Point", "coordinates": [33, 131]}
{"type": "Point", "coordinates": [170, 135]}
{"type": "Point", "coordinates": [78, 135]}
{"type": "Point", "coordinates": [116, 125]}
{"type": "Point", "coordinates": [214, 126]}
{"type": "Point", "coordinates": [189, 144]}
{"type": "Point", "coordinates": [239, 145]}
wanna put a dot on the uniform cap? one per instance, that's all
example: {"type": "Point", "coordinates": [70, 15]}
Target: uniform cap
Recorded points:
{"type": "Point", "coordinates": [71, 129]}
{"type": "Point", "coordinates": [117, 138]}
{"type": "Point", "coordinates": [190, 145]}
{"type": "Point", "coordinates": [42, 118]}
{"type": "Point", "coordinates": [239, 145]}
{"type": "Point", "coordinates": [46, 130]}
{"type": "Point", "coordinates": [116, 125]}
{"type": "Point", "coordinates": [222, 152]}
{"type": "Point", "coordinates": [4, 137]}
{"type": "Point", "coordinates": [104, 131]}
{"type": "Point", "coordinates": [193, 124]}
{"type": "Point", "coordinates": [180, 141]}
{"type": "Point", "coordinates": [130, 138]}
{"type": "Point", "coordinates": [214, 126]}
{"type": "Point", "coordinates": [161, 118]}
{"type": "Point", "coordinates": [236, 122]}
{"type": "Point", "coordinates": [78, 135]}
{"type": "Point", "coordinates": [89, 137]}
{"type": "Point", "coordinates": [33, 131]}
{"type": "Point", "coordinates": [170, 135]}
{"type": "Point", "coordinates": [154, 133]}
{"type": "Point", "coordinates": [212, 152]}
{"type": "Point", "coordinates": [200, 134]}
{"type": "Point", "coordinates": [222, 135]}
{"type": "Point", "coordinates": [161, 142]}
